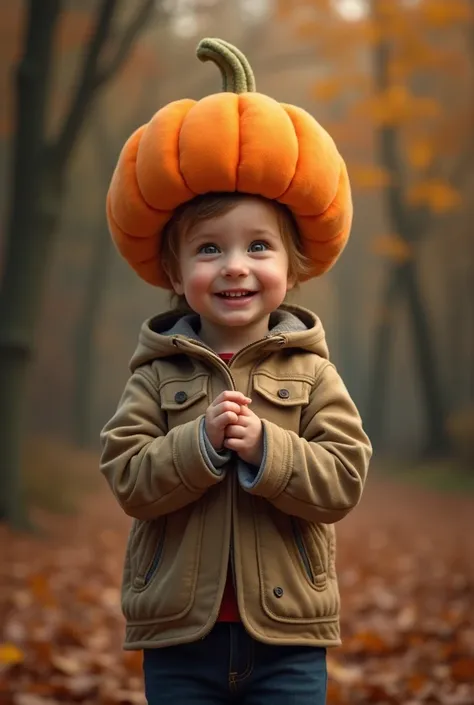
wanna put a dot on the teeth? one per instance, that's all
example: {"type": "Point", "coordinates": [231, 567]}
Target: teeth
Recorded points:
{"type": "Point", "coordinates": [233, 294]}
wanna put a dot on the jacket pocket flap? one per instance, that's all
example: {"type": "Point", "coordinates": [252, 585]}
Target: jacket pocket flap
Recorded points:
{"type": "Point", "coordinates": [178, 394]}
{"type": "Point", "coordinates": [282, 391]}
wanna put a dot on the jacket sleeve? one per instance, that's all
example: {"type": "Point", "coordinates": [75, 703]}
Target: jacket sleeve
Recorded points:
{"type": "Point", "coordinates": [150, 470]}
{"type": "Point", "coordinates": [318, 475]}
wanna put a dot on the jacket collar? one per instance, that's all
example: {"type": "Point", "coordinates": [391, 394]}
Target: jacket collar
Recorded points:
{"type": "Point", "coordinates": [173, 332]}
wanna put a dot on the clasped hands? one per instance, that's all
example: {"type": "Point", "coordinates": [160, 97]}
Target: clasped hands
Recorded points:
{"type": "Point", "coordinates": [231, 424]}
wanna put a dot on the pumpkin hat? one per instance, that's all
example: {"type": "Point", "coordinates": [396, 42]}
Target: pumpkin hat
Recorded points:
{"type": "Point", "coordinates": [237, 140]}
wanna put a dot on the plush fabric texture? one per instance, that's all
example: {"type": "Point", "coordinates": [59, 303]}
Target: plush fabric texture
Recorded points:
{"type": "Point", "coordinates": [189, 512]}
{"type": "Point", "coordinates": [246, 142]}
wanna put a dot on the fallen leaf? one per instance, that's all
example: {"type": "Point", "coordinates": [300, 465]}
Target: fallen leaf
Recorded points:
{"type": "Point", "coordinates": [10, 655]}
{"type": "Point", "coordinates": [463, 670]}
{"type": "Point", "coordinates": [68, 665]}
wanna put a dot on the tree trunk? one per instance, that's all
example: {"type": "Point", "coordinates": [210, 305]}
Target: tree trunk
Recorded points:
{"type": "Point", "coordinates": [470, 349]}
{"type": "Point", "coordinates": [382, 346]}
{"type": "Point", "coordinates": [402, 281]}
{"type": "Point", "coordinates": [20, 303]}
{"type": "Point", "coordinates": [437, 439]}
{"type": "Point", "coordinates": [39, 172]}
{"type": "Point", "coordinates": [26, 249]}
{"type": "Point", "coordinates": [85, 333]}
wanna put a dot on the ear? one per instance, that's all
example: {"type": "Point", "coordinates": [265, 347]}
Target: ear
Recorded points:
{"type": "Point", "coordinates": [177, 286]}
{"type": "Point", "coordinates": [291, 283]}
{"type": "Point", "coordinates": [175, 280]}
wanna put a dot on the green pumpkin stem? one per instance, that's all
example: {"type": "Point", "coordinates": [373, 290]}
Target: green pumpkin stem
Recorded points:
{"type": "Point", "coordinates": [237, 74]}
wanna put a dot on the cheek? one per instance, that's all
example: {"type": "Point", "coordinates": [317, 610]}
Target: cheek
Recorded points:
{"type": "Point", "coordinates": [275, 276]}
{"type": "Point", "coordinates": [198, 278]}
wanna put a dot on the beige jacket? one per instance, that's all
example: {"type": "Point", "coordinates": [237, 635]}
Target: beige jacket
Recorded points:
{"type": "Point", "coordinates": [194, 509]}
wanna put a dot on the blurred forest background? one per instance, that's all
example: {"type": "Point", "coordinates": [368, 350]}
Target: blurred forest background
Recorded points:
{"type": "Point", "coordinates": [391, 80]}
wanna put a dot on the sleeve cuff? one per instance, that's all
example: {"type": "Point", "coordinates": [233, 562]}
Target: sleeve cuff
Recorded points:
{"type": "Point", "coordinates": [250, 475]}
{"type": "Point", "coordinates": [214, 459]}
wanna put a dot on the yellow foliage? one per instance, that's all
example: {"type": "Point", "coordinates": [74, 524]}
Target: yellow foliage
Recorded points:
{"type": "Point", "coordinates": [435, 13]}
{"type": "Point", "coordinates": [435, 194]}
{"type": "Point", "coordinates": [441, 13]}
{"type": "Point", "coordinates": [369, 176]}
{"type": "Point", "coordinates": [420, 154]}
{"type": "Point", "coordinates": [330, 88]}
{"type": "Point", "coordinates": [370, 32]}
{"type": "Point", "coordinates": [327, 89]}
{"type": "Point", "coordinates": [10, 655]}
{"type": "Point", "coordinates": [395, 106]}
{"type": "Point", "coordinates": [399, 69]}
{"type": "Point", "coordinates": [356, 135]}
{"type": "Point", "coordinates": [426, 126]}
{"type": "Point", "coordinates": [392, 247]}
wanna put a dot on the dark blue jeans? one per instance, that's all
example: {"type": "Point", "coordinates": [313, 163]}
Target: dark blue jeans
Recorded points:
{"type": "Point", "coordinates": [228, 666]}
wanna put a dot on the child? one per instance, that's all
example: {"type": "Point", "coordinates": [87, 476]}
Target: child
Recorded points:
{"type": "Point", "coordinates": [235, 446]}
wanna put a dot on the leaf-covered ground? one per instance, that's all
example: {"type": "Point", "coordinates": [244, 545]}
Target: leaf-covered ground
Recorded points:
{"type": "Point", "coordinates": [406, 566]}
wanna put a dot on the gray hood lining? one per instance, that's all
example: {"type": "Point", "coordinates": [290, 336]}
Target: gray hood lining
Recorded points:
{"type": "Point", "coordinates": [281, 321]}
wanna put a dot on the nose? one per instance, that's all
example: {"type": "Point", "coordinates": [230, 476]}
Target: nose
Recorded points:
{"type": "Point", "coordinates": [235, 265]}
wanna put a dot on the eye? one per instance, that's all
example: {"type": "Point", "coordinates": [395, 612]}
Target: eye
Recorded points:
{"type": "Point", "coordinates": [208, 249]}
{"type": "Point", "coordinates": [259, 246]}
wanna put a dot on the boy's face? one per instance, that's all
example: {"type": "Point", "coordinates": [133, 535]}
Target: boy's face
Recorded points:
{"type": "Point", "coordinates": [234, 268]}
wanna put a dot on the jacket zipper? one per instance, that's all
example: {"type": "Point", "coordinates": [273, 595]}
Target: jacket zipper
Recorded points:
{"type": "Point", "coordinates": [157, 557]}
{"type": "Point", "coordinates": [216, 359]}
{"type": "Point", "coordinates": [228, 372]}
{"type": "Point", "coordinates": [225, 369]}
{"type": "Point", "coordinates": [302, 550]}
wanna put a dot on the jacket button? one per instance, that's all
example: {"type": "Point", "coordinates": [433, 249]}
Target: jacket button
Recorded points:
{"type": "Point", "coordinates": [278, 591]}
{"type": "Point", "coordinates": [180, 397]}
{"type": "Point", "coordinates": [283, 393]}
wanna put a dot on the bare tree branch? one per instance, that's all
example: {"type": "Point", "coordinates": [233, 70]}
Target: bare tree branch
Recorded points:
{"type": "Point", "coordinates": [92, 78]}
{"type": "Point", "coordinates": [80, 102]}
{"type": "Point", "coordinates": [135, 26]}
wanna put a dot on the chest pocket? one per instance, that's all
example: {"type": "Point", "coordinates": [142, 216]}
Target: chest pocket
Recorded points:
{"type": "Point", "coordinates": [184, 399]}
{"type": "Point", "coordinates": [280, 399]}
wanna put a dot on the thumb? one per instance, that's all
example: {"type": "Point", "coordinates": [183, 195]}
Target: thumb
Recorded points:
{"type": "Point", "coordinates": [245, 411]}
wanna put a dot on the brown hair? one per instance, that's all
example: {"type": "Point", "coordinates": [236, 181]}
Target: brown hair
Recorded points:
{"type": "Point", "coordinates": [212, 205]}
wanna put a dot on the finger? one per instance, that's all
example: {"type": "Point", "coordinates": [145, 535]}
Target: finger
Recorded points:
{"type": "Point", "coordinates": [245, 411]}
{"type": "Point", "coordinates": [233, 396]}
{"type": "Point", "coordinates": [236, 444]}
{"type": "Point", "coordinates": [225, 406]}
{"type": "Point", "coordinates": [223, 420]}
{"type": "Point", "coordinates": [235, 431]}
{"type": "Point", "coordinates": [220, 421]}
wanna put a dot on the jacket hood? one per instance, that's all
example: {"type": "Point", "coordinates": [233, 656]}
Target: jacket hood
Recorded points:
{"type": "Point", "coordinates": [292, 326]}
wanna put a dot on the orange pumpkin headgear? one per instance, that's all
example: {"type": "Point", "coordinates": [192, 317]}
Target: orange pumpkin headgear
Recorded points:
{"type": "Point", "coordinates": [237, 140]}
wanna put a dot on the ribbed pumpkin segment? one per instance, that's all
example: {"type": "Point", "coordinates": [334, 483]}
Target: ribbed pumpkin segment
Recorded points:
{"type": "Point", "coordinates": [321, 259]}
{"type": "Point", "coordinates": [127, 206]}
{"type": "Point", "coordinates": [315, 182]}
{"type": "Point", "coordinates": [209, 144]}
{"type": "Point", "coordinates": [325, 236]}
{"type": "Point", "coordinates": [243, 141]}
{"type": "Point", "coordinates": [141, 253]}
{"type": "Point", "coordinates": [158, 172]}
{"type": "Point", "coordinates": [268, 146]}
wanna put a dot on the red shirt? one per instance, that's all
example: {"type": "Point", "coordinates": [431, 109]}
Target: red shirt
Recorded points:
{"type": "Point", "coordinates": [229, 611]}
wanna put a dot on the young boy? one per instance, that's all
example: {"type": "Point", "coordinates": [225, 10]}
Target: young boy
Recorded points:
{"type": "Point", "coordinates": [235, 446]}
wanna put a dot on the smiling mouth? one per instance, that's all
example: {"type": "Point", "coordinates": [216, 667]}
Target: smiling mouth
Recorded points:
{"type": "Point", "coordinates": [235, 294]}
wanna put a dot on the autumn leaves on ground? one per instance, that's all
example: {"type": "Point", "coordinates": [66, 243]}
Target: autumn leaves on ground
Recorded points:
{"type": "Point", "coordinates": [405, 563]}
